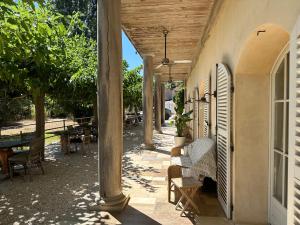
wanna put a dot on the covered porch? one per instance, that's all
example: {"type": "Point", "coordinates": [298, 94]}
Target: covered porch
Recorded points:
{"type": "Point", "coordinates": [168, 36]}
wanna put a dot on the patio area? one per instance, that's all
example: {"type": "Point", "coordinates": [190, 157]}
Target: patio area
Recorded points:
{"type": "Point", "coordinates": [70, 185]}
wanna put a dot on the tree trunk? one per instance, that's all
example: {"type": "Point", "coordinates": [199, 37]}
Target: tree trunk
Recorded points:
{"type": "Point", "coordinates": [39, 102]}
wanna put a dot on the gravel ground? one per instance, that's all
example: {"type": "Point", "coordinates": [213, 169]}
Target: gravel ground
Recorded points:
{"type": "Point", "coordinates": [62, 195]}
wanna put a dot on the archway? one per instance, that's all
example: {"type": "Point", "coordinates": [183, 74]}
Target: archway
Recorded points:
{"type": "Point", "coordinates": [252, 82]}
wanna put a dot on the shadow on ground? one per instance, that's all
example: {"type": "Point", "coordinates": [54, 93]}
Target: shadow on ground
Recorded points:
{"type": "Point", "coordinates": [70, 185]}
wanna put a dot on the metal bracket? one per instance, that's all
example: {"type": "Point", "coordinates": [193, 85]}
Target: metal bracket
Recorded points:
{"type": "Point", "coordinates": [232, 89]}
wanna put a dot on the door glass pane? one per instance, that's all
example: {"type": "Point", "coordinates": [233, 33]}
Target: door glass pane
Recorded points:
{"type": "Point", "coordinates": [287, 88]}
{"type": "Point", "coordinates": [279, 82]}
{"type": "Point", "coordinates": [278, 126]}
{"type": "Point", "coordinates": [287, 128]}
{"type": "Point", "coordinates": [285, 181]}
{"type": "Point", "coordinates": [277, 176]}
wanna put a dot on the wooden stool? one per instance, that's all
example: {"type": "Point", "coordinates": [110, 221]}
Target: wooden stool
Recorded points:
{"type": "Point", "coordinates": [188, 187]}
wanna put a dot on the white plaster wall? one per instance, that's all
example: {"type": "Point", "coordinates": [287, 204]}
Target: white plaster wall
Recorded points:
{"type": "Point", "coordinates": [237, 22]}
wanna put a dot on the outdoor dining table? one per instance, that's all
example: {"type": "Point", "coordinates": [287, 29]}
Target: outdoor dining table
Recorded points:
{"type": "Point", "coordinates": [6, 150]}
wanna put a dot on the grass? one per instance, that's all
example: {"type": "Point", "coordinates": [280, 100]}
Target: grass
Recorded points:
{"type": "Point", "coordinates": [50, 138]}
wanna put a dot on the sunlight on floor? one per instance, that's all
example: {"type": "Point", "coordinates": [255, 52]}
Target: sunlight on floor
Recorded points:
{"type": "Point", "coordinates": [70, 186]}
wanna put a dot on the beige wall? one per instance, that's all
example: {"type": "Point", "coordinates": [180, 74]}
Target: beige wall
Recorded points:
{"type": "Point", "coordinates": [233, 41]}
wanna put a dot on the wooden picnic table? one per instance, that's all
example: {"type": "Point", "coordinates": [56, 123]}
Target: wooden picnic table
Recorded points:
{"type": "Point", "coordinates": [6, 150]}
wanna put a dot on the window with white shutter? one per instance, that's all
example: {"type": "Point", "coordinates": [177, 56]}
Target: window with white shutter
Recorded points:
{"type": "Point", "coordinates": [294, 129]}
{"type": "Point", "coordinates": [223, 137]}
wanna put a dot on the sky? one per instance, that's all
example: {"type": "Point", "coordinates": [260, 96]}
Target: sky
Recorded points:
{"type": "Point", "coordinates": [129, 53]}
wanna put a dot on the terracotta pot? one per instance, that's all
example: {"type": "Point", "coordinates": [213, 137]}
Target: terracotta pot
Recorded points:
{"type": "Point", "coordinates": [179, 141]}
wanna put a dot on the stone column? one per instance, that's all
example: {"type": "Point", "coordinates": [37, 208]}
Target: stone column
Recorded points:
{"type": "Point", "coordinates": [158, 103]}
{"type": "Point", "coordinates": [148, 101]}
{"type": "Point", "coordinates": [110, 103]}
{"type": "Point", "coordinates": [163, 101]}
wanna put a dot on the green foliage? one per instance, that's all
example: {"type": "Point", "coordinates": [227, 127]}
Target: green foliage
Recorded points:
{"type": "Point", "coordinates": [32, 47]}
{"type": "Point", "coordinates": [179, 101]}
{"type": "Point", "coordinates": [53, 109]}
{"type": "Point", "coordinates": [39, 53]}
{"type": "Point", "coordinates": [14, 105]}
{"type": "Point", "coordinates": [181, 118]}
{"type": "Point", "coordinates": [82, 63]}
{"type": "Point", "coordinates": [180, 122]}
{"type": "Point", "coordinates": [13, 109]}
{"type": "Point", "coordinates": [78, 92]}
{"type": "Point", "coordinates": [87, 10]}
{"type": "Point", "coordinates": [132, 88]}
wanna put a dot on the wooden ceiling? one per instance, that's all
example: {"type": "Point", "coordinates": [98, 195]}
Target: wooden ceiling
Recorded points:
{"type": "Point", "coordinates": [186, 20]}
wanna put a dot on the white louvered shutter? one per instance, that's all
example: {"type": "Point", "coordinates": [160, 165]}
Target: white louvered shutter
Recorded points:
{"type": "Point", "coordinates": [294, 129]}
{"type": "Point", "coordinates": [223, 137]}
{"type": "Point", "coordinates": [195, 114]}
{"type": "Point", "coordinates": [206, 108]}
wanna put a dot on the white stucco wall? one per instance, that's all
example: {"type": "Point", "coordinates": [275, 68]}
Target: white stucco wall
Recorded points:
{"type": "Point", "coordinates": [233, 41]}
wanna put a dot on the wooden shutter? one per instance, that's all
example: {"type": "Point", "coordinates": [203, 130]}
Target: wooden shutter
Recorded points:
{"type": "Point", "coordinates": [206, 109]}
{"type": "Point", "coordinates": [223, 137]}
{"type": "Point", "coordinates": [294, 129]}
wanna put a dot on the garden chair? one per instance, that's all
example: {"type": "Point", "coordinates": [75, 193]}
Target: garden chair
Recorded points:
{"type": "Point", "coordinates": [74, 138]}
{"type": "Point", "coordinates": [174, 171]}
{"type": "Point", "coordinates": [65, 143]}
{"type": "Point", "coordinates": [86, 139]}
{"type": "Point", "coordinates": [28, 159]}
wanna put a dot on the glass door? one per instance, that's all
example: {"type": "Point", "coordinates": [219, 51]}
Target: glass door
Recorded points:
{"type": "Point", "coordinates": [279, 144]}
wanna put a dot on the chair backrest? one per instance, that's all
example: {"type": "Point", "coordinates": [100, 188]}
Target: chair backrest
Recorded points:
{"type": "Point", "coordinates": [35, 149]}
{"type": "Point", "coordinates": [174, 171]}
{"type": "Point", "coordinates": [70, 128]}
{"type": "Point", "coordinates": [87, 132]}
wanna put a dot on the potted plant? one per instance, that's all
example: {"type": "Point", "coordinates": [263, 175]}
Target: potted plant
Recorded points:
{"type": "Point", "coordinates": [181, 118]}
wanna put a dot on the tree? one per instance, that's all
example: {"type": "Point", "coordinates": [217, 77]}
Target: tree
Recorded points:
{"type": "Point", "coordinates": [80, 87]}
{"type": "Point", "coordinates": [32, 51]}
{"type": "Point", "coordinates": [132, 88]}
{"type": "Point", "coordinates": [87, 9]}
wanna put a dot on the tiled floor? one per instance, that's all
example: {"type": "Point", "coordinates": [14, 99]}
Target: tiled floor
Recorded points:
{"type": "Point", "coordinates": [145, 180]}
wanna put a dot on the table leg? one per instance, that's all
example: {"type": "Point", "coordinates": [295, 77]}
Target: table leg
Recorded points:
{"type": "Point", "coordinates": [4, 155]}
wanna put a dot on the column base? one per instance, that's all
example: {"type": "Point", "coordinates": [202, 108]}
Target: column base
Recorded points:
{"type": "Point", "coordinates": [116, 204]}
{"type": "Point", "coordinates": [158, 131]}
{"type": "Point", "coordinates": [148, 147]}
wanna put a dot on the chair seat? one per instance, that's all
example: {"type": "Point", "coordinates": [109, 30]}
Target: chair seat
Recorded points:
{"type": "Point", "coordinates": [183, 161]}
{"type": "Point", "coordinates": [20, 157]}
{"type": "Point", "coordinates": [186, 182]}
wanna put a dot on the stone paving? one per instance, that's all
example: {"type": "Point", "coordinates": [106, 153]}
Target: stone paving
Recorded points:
{"type": "Point", "coordinates": [145, 180]}
{"type": "Point", "coordinates": [70, 185]}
